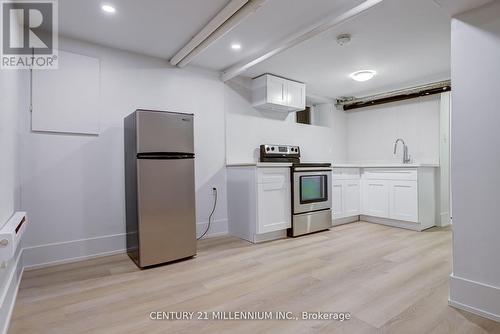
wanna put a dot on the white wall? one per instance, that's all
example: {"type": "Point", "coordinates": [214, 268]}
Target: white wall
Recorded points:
{"type": "Point", "coordinates": [328, 115]}
{"type": "Point", "coordinates": [13, 95]}
{"type": "Point", "coordinates": [247, 128]}
{"type": "Point", "coordinates": [371, 132]}
{"type": "Point", "coordinates": [444, 160]}
{"type": "Point", "coordinates": [14, 86]}
{"type": "Point", "coordinates": [73, 185]}
{"type": "Point", "coordinates": [475, 283]}
{"type": "Point", "coordinates": [365, 135]}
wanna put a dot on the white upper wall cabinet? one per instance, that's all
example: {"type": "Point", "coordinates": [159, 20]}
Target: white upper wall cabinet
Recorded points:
{"type": "Point", "coordinates": [296, 95]}
{"type": "Point", "coordinates": [274, 93]}
{"type": "Point", "coordinates": [67, 99]}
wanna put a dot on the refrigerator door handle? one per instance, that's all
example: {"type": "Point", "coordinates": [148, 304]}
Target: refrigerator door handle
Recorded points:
{"type": "Point", "coordinates": [165, 156]}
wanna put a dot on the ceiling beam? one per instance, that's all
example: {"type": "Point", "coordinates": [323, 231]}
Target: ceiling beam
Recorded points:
{"type": "Point", "coordinates": [221, 17]}
{"type": "Point", "coordinates": [298, 38]}
{"type": "Point", "coordinates": [250, 7]}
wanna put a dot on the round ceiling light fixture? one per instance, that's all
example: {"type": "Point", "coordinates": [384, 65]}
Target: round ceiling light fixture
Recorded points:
{"type": "Point", "coordinates": [363, 75]}
{"type": "Point", "coordinates": [108, 9]}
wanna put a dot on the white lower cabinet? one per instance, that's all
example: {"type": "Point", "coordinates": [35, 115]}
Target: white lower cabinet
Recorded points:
{"type": "Point", "coordinates": [259, 202]}
{"type": "Point", "coordinates": [403, 200]}
{"type": "Point", "coordinates": [337, 199]}
{"type": "Point", "coordinates": [352, 194]}
{"type": "Point", "coordinates": [346, 193]}
{"type": "Point", "coordinates": [402, 197]}
{"type": "Point", "coordinates": [375, 198]}
{"type": "Point", "coordinates": [273, 200]}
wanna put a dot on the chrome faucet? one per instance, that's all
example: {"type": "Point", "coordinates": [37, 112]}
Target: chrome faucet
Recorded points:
{"type": "Point", "coordinates": [406, 156]}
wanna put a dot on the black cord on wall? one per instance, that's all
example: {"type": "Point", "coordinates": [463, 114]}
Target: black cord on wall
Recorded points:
{"type": "Point", "coordinates": [211, 214]}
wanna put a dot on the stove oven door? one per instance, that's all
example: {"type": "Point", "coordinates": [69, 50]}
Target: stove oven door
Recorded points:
{"type": "Point", "coordinates": [311, 189]}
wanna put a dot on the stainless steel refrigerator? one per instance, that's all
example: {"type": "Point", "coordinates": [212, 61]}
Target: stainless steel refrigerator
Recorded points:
{"type": "Point", "coordinates": [159, 187]}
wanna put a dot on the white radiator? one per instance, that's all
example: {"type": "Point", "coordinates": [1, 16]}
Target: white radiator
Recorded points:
{"type": "Point", "coordinates": [11, 235]}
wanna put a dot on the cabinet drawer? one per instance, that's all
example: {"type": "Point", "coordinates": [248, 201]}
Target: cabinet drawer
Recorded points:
{"type": "Point", "coordinates": [345, 173]}
{"type": "Point", "coordinates": [273, 175]}
{"type": "Point", "coordinates": [390, 174]}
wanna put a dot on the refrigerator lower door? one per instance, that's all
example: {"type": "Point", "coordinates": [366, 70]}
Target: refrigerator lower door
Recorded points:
{"type": "Point", "coordinates": [166, 210]}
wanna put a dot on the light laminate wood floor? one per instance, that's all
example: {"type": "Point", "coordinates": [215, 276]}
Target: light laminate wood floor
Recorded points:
{"type": "Point", "coordinates": [391, 281]}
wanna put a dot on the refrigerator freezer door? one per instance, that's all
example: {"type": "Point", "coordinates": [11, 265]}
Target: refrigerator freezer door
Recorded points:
{"type": "Point", "coordinates": [164, 132]}
{"type": "Point", "coordinates": [167, 222]}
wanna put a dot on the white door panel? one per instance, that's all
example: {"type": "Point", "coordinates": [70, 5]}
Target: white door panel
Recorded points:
{"type": "Point", "coordinates": [295, 94]}
{"type": "Point", "coordinates": [273, 200]}
{"type": "Point", "coordinates": [338, 200]}
{"type": "Point", "coordinates": [403, 199]}
{"type": "Point", "coordinates": [276, 90]}
{"type": "Point", "coordinates": [375, 198]}
{"type": "Point", "coordinates": [351, 198]}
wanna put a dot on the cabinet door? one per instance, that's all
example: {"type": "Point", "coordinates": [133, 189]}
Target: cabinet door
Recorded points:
{"type": "Point", "coordinates": [375, 200]}
{"type": "Point", "coordinates": [276, 90]}
{"type": "Point", "coordinates": [273, 200]}
{"type": "Point", "coordinates": [403, 199]}
{"type": "Point", "coordinates": [338, 199]}
{"type": "Point", "coordinates": [296, 95]}
{"type": "Point", "coordinates": [351, 198]}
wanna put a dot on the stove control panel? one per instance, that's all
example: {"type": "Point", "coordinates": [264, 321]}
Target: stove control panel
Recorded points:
{"type": "Point", "coordinates": [279, 153]}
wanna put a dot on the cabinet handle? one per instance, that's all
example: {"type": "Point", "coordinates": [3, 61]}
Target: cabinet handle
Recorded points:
{"type": "Point", "coordinates": [389, 172]}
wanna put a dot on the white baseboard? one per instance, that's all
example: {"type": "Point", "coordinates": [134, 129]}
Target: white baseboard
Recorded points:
{"type": "Point", "coordinates": [281, 234]}
{"type": "Point", "coordinates": [445, 219]}
{"type": "Point", "coordinates": [13, 273]}
{"type": "Point", "coordinates": [392, 222]}
{"type": "Point", "coordinates": [217, 228]}
{"type": "Point", "coordinates": [83, 249]}
{"type": "Point", "coordinates": [475, 297]}
{"type": "Point", "coordinates": [72, 251]}
{"type": "Point", "coordinates": [345, 220]}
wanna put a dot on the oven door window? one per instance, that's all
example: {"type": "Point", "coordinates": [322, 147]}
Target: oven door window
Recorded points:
{"type": "Point", "coordinates": [313, 188]}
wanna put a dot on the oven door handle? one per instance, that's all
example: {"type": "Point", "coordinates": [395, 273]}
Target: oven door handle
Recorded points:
{"type": "Point", "coordinates": [312, 169]}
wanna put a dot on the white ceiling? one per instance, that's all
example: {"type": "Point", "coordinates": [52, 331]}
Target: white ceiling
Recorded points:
{"type": "Point", "coordinates": [406, 41]}
{"type": "Point", "coordinates": [454, 7]}
{"type": "Point", "coordinates": [152, 27]}
{"type": "Point", "coordinates": [162, 27]}
{"type": "Point", "coordinates": [274, 21]}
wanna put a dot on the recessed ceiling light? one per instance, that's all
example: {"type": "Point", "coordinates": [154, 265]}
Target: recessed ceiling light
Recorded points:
{"type": "Point", "coordinates": [108, 9]}
{"type": "Point", "coordinates": [236, 46]}
{"type": "Point", "coordinates": [363, 75]}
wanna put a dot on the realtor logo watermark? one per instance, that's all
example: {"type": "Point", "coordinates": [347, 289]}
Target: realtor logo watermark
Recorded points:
{"type": "Point", "coordinates": [29, 34]}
